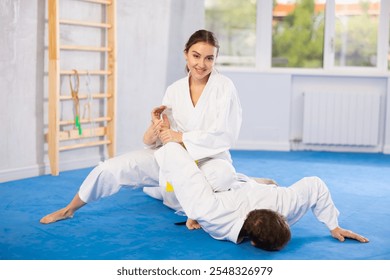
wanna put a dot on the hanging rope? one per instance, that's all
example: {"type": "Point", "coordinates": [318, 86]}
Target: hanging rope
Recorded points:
{"type": "Point", "coordinates": [88, 106]}
{"type": "Point", "coordinates": [75, 97]}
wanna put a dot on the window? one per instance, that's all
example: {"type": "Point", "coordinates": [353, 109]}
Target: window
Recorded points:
{"type": "Point", "coordinates": [355, 35]}
{"type": "Point", "coordinates": [234, 24]}
{"type": "Point", "coordinates": [315, 34]}
{"type": "Point", "coordinates": [298, 33]}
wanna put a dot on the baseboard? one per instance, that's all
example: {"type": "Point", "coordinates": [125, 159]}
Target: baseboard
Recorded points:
{"type": "Point", "coordinates": [336, 148]}
{"type": "Point", "coordinates": [44, 169]}
{"type": "Point", "coordinates": [386, 149]}
{"type": "Point", "coordinates": [19, 173]}
{"type": "Point", "coordinates": [264, 146]}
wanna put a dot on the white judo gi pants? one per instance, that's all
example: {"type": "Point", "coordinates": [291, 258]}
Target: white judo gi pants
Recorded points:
{"type": "Point", "coordinates": [139, 168]}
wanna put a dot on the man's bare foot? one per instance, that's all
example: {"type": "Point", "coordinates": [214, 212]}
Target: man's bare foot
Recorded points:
{"type": "Point", "coordinates": [265, 181]}
{"type": "Point", "coordinates": [192, 224]}
{"type": "Point", "coordinates": [59, 215]}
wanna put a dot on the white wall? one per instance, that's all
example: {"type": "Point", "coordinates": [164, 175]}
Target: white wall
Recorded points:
{"type": "Point", "coordinates": [336, 83]}
{"type": "Point", "coordinates": [386, 145]}
{"type": "Point", "coordinates": [21, 87]}
{"type": "Point", "coordinates": [265, 101]}
{"type": "Point", "coordinates": [273, 107]}
{"type": "Point", "coordinates": [150, 41]}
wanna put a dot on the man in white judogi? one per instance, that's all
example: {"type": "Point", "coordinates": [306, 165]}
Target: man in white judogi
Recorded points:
{"type": "Point", "coordinates": [223, 214]}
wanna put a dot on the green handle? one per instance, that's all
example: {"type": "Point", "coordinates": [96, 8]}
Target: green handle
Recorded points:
{"type": "Point", "coordinates": [78, 125]}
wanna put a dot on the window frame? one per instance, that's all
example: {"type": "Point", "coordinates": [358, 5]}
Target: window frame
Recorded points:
{"type": "Point", "coordinates": [263, 47]}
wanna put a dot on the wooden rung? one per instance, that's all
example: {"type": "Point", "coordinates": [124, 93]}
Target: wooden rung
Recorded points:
{"type": "Point", "coordinates": [85, 48]}
{"type": "Point", "coordinates": [85, 72]}
{"type": "Point", "coordinates": [101, 119]}
{"type": "Point", "coordinates": [85, 96]}
{"type": "Point", "coordinates": [85, 23]}
{"type": "Point", "coordinates": [83, 145]}
{"type": "Point", "coordinates": [101, 129]}
{"type": "Point", "coordinates": [107, 2]}
{"type": "Point", "coordinates": [87, 132]}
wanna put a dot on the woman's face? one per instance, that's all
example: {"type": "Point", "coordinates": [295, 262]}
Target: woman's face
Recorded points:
{"type": "Point", "coordinates": [200, 60]}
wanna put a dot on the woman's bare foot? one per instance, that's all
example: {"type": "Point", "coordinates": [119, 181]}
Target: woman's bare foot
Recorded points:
{"type": "Point", "coordinates": [59, 215]}
{"type": "Point", "coordinates": [64, 213]}
{"type": "Point", "coordinates": [192, 224]}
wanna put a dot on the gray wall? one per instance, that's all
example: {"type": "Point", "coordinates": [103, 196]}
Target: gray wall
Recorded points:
{"type": "Point", "coordinates": [150, 38]}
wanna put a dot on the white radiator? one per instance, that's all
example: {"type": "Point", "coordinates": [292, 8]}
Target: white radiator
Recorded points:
{"type": "Point", "coordinates": [341, 118]}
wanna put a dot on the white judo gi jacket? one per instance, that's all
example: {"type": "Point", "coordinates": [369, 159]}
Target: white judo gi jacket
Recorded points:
{"type": "Point", "coordinates": [211, 127]}
{"type": "Point", "coordinates": [222, 214]}
{"type": "Point", "coordinates": [209, 130]}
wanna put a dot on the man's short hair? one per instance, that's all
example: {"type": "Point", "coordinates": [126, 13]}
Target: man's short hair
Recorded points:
{"type": "Point", "coordinates": [267, 229]}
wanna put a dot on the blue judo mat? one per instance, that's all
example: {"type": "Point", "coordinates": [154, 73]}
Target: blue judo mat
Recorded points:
{"type": "Point", "coordinates": [132, 226]}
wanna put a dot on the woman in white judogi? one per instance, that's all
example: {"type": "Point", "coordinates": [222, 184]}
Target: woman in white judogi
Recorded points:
{"type": "Point", "coordinates": [208, 130]}
{"type": "Point", "coordinates": [223, 214]}
{"type": "Point", "coordinates": [204, 113]}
